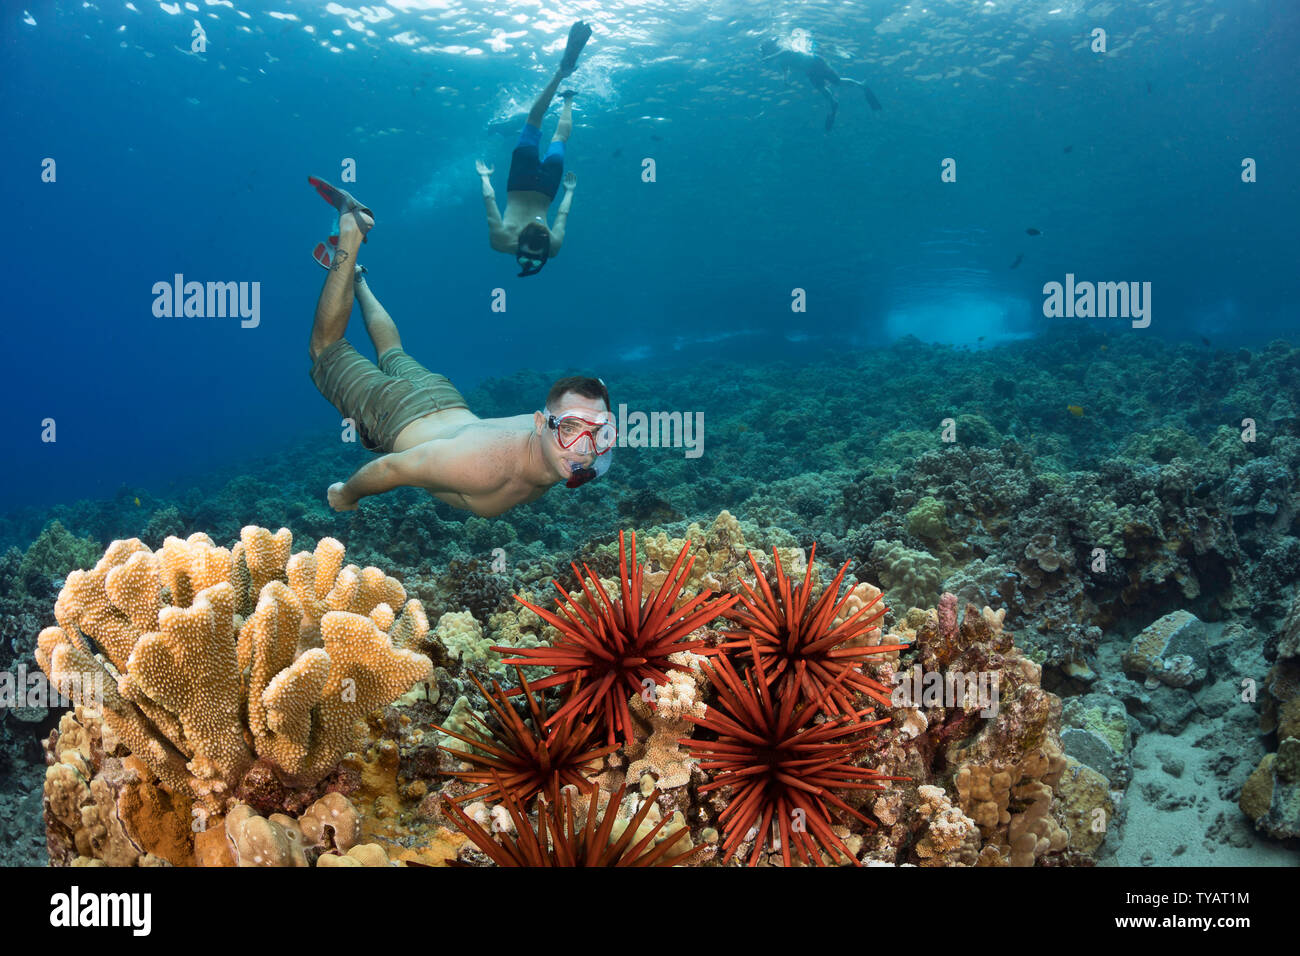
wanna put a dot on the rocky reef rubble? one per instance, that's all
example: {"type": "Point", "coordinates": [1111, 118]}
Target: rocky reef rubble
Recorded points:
{"type": "Point", "coordinates": [1271, 796]}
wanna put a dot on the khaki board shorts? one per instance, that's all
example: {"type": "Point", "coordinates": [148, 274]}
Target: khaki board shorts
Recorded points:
{"type": "Point", "coordinates": [382, 399]}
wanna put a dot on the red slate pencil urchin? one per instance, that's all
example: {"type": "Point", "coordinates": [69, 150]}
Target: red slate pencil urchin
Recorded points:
{"type": "Point", "coordinates": [522, 760]}
{"type": "Point", "coordinates": [558, 840]}
{"type": "Point", "coordinates": [609, 652]}
{"type": "Point", "coordinates": [802, 653]}
{"type": "Point", "coordinates": [779, 769]}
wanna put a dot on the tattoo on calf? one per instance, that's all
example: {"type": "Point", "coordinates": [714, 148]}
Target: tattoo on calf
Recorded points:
{"type": "Point", "coordinates": [340, 258]}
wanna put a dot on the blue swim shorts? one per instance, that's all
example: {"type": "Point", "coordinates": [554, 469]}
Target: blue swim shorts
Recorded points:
{"type": "Point", "coordinates": [529, 170]}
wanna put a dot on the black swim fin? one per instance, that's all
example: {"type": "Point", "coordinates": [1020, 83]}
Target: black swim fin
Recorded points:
{"type": "Point", "coordinates": [871, 98]}
{"type": "Point", "coordinates": [579, 34]}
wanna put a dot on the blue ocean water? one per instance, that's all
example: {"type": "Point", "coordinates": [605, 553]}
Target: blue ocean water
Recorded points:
{"type": "Point", "coordinates": [171, 161]}
{"type": "Point", "coordinates": [885, 319]}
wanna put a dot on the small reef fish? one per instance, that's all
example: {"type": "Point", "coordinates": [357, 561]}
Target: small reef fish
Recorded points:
{"type": "Point", "coordinates": [1033, 232]}
{"type": "Point", "coordinates": [137, 502]}
{"type": "Point", "coordinates": [1019, 259]}
{"type": "Point", "coordinates": [1075, 410]}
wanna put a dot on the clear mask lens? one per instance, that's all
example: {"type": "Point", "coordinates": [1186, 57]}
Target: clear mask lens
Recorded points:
{"type": "Point", "coordinates": [571, 430]}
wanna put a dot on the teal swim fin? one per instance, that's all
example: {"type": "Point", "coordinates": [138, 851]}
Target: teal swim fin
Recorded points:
{"type": "Point", "coordinates": [579, 34]}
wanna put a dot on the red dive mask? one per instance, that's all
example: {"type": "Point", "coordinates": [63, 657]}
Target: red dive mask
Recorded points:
{"type": "Point", "coordinates": [570, 431]}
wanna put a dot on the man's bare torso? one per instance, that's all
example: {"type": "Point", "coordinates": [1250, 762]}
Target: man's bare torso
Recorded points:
{"type": "Point", "coordinates": [522, 207]}
{"type": "Point", "coordinates": [496, 448]}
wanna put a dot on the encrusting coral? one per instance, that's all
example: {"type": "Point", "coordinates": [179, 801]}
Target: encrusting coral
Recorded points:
{"type": "Point", "coordinates": [108, 811]}
{"type": "Point", "coordinates": [913, 576]}
{"type": "Point", "coordinates": [661, 723]}
{"type": "Point", "coordinates": [461, 636]}
{"type": "Point", "coordinates": [949, 830]}
{"type": "Point", "coordinates": [180, 667]}
{"type": "Point", "coordinates": [721, 558]}
{"type": "Point", "coordinates": [1005, 769]}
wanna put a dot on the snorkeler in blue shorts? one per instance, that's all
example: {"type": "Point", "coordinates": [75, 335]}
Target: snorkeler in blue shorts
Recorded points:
{"type": "Point", "coordinates": [535, 179]}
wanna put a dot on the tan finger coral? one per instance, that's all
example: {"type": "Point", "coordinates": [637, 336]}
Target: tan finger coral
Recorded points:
{"type": "Point", "coordinates": [360, 590]}
{"type": "Point", "coordinates": [262, 557]}
{"type": "Point", "coordinates": [311, 576]}
{"type": "Point", "coordinates": [199, 693]}
{"type": "Point", "coordinates": [365, 672]}
{"type": "Point", "coordinates": [188, 668]}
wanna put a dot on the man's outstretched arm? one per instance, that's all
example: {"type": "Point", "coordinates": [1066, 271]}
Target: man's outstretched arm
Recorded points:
{"type": "Point", "coordinates": [562, 214]}
{"type": "Point", "coordinates": [496, 230]}
{"type": "Point", "coordinates": [436, 466]}
{"type": "Point", "coordinates": [373, 478]}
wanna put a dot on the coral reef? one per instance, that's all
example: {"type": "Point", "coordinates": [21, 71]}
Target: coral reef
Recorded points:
{"type": "Point", "coordinates": [54, 554]}
{"type": "Point", "coordinates": [911, 576]}
{"type": "Point", "coordinates": [713, 759]}
{"type": "Point", "coordinates": [1083, 532]}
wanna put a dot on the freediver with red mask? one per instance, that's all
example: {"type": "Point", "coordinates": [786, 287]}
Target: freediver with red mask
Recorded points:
{"type": "Point", "coordinates": [418, 421]}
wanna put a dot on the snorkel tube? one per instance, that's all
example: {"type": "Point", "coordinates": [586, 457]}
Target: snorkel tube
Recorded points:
{"type": "Point", "coordinates": [581, 475]}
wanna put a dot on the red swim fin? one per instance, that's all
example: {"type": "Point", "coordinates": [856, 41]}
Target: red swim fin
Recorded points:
{"type": "Point", "coordinates": [340, 199]}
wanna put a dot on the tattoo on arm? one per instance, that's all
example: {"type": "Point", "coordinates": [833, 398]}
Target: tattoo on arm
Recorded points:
{"type": "Point", "coordinates": [340, 258]}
